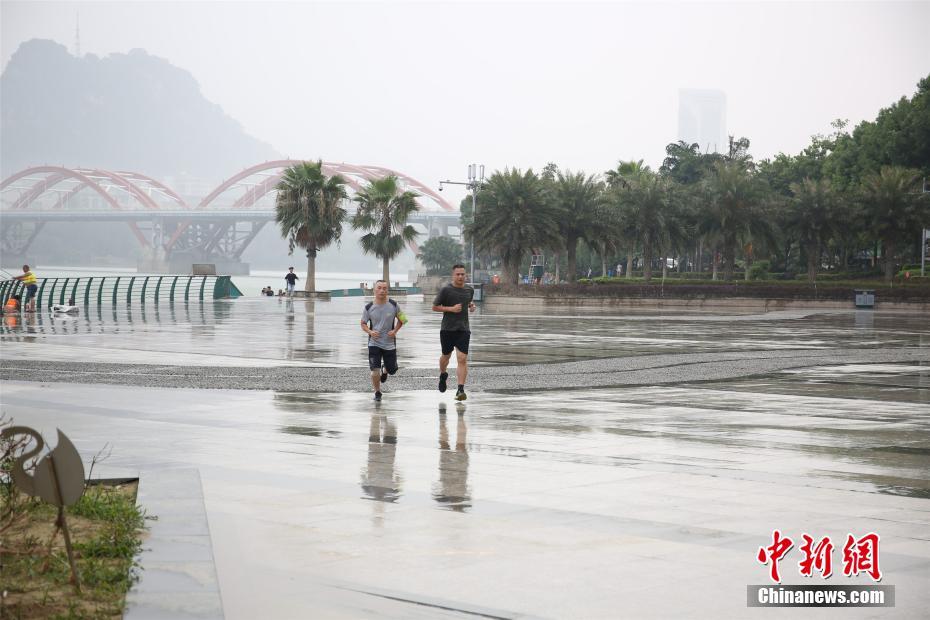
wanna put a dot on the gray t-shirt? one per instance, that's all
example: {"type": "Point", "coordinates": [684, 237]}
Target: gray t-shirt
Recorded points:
{"type": "Point", "coordinates": [381, 317]}
{"type": "Point", "coordinates": [449, 296]}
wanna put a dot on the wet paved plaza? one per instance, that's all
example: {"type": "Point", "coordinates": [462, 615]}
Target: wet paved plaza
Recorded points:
{"type": "Point", "coordinates": [648, 497]}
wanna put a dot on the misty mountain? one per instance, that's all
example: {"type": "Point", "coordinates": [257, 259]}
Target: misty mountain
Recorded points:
{"type": "Point", "coordinates": [133, 112]}
{"type": "Point", "coordinates": [124, 112]}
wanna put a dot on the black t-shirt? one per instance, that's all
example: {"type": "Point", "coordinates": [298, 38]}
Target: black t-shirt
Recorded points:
{"type": "Point", "coordinates": [291, 278]}
{"type": "Point", "coordinates": [449, 296]}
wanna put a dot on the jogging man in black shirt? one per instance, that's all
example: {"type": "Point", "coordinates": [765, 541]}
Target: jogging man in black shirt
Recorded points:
{"type": "Point", "coordinates": [454, 333]}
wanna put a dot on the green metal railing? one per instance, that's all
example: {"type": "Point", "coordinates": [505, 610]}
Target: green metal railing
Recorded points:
{"type": "Point", "coordinates": [122, 290]}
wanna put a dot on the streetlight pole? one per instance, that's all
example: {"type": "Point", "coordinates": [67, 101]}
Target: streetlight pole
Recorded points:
{"type": "Point", "coordinates": [474, 183]}
{"type": "Point", "coordinates": [924, 236]}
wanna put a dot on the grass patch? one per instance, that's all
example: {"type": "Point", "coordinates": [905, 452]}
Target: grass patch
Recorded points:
{"type": "Point", "coordinates": [106, 527]}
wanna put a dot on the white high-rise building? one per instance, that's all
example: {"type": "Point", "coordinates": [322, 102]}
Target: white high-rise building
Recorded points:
{"type": "Point", "coordinates": [702, 118]}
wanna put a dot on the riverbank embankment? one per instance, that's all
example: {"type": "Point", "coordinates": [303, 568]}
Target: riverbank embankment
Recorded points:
{"type": "Point", "coordinates": [744, 296]}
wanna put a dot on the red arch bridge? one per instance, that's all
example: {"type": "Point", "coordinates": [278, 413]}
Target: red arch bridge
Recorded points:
{"type": "Point", "coordinates": [173, 232]}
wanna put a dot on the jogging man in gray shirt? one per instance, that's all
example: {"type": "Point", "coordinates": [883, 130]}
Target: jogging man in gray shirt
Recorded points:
{"type": "Point", "coordinates": [381, 320]}
{"type": "Point", "coordinates": [454, 333]}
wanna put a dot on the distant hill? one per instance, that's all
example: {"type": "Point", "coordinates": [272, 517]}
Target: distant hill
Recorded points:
{"type": "Point", "coordinates": [125, 111]}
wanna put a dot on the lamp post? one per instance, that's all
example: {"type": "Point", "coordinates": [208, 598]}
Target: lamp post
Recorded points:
{"type": "Point", "coordinates": [924, 236]}
{"type": "Point", "coordinates": [474, 183]}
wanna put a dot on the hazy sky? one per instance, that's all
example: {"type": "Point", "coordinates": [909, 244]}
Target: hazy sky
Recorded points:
{"type": "Point", "coordinates": [427, 88]}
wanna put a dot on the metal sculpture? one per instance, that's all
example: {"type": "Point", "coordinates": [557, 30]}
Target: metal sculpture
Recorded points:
{"type": "Point", "coordinates": [57, 478]}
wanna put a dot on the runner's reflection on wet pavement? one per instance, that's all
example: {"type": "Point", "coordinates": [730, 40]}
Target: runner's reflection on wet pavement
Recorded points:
{"type": "Point", "coordinates": [380, 479]}
{"type": "Point", "coordinates": [451, 491]}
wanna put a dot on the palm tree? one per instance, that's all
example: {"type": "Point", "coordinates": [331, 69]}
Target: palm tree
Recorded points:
{"type": "Point", "coordinates": [515, 215]}
{"type": "Point", "coordinates": [895, 209]}
{"type": "Point", "coordinates": [383, 210]}
{"type": "Point", "coordinates": [625, 172]}
{"type": "Point", "coordinates": [605, 238]}
{"type": "Point", "coordinates": [308, 208]}
{"type": "Point", "coordinates": [812, 218]}
{"type": "Point", "coordinates": [733, 214]}
{"type": "Point", "coordinates": [577, 197]}
{"type": "Point", "coordinates": [647, 208]}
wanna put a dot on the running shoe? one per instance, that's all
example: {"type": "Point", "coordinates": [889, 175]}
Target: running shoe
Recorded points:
{"type": "Point", "coordinates": [377, 396]}
{"type": "Point", "coordinates": [384, 374]}
{"type": "Point", "coordinates": [460, 395]}
{"type": "Point", "coordinates": [442, 381]}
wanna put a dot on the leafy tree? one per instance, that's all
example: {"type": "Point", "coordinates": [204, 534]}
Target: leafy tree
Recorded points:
{"type": "Point", "coordinates": [439, 254]}
{"type": "Point", "coordinates": [899, 136]}
{"type": "Point", "coordinates": [515, 215]}
{"type": "Point", "coordinates": [308, 209]}
{"type": "Point", "coordinates": [684, 163]}
{"type": "Point", "coordinates": [383, 209]}
{"type": "Point", "coordinates": [895, 210]}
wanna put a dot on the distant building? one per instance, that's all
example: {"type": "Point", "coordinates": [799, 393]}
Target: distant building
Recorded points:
{"type": "Point", "coordinates": [702, 118]}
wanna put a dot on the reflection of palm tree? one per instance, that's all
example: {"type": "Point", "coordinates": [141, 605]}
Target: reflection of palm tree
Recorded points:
{"type": "Point", "coordinates": [380, 479]}
{"type": "Point", "coordinates": [310, 327]}
{"type": "Point", "coordinates": [452, 489]}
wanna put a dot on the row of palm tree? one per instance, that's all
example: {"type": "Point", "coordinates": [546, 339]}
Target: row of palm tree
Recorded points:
{"type": "Point", "coordinates": [310, 211]}
{"type": "Point", "coordinates": [681, 211]}
{"type": "Point", "coordinates": [731, 212]}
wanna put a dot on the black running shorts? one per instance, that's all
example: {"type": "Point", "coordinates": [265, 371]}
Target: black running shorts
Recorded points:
{"type": "Point", "coordinates": [454, 340]}
{"type": "Point", "coordinates": [377, 354]}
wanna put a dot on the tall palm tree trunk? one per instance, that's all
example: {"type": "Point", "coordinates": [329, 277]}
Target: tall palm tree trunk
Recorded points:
{"type": "Point", "coordinates": [813, 253]}
{"type": "Point", "coordinates": [629, 263]}
{"type": "Point", "coordinates": [386, 271]}
{"type": "Point", "coordinates": [716, 264]}
{"type": "Point", "coordinates": [310, 284]}
{"type": "Point", "coordinates": [604, 260]}
{"type": "Point", "coordinates": [888, 253]}
{"type": "Point", "coordinates": [729, 258]}
{"type": "Point", "coordinates": [647, 261]}
{"type": "Point", "coordinates": [512, 271]}
{"type": "Point", "coordinates": [572, 260]}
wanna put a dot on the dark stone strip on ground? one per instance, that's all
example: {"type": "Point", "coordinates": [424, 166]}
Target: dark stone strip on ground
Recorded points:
{"type": "Point", "coordinates": [638, 370]}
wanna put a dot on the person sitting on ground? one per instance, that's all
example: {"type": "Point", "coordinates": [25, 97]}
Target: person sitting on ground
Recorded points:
{"type": "Point", "coordinates": [281, 292]}
{"type": "Point", "coordinates": [269, 291]}
{"type": "Point", "coordinates": [12, 304]}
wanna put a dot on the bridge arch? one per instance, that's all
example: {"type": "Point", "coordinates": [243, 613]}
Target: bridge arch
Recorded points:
{"type": "Point", "coordinates": [84, 179]}
{"type": "Point", "coordinates": [201, 239]}
{"type": "Point", "coordinates": [354, 175]}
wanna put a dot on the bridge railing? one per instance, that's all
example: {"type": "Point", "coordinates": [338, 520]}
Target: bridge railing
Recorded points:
{"type": "Point", "coordinates": [123, 289]}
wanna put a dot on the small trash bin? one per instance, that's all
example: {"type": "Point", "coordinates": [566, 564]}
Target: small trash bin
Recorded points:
{"type": "Point", "coordinates": [865, 298]}
{"type": "Point", "coordinates": [479, 291]}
